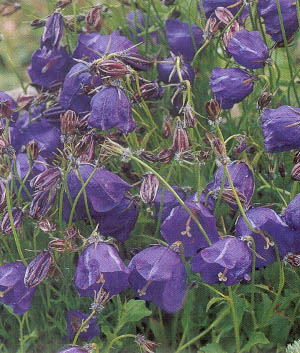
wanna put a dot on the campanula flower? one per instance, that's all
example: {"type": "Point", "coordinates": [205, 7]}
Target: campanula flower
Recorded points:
{"type": "Point", "coordinates": [74, 320]}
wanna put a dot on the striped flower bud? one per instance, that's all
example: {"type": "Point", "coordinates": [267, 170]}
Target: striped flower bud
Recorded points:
{"type": "Point", "coordinates": [149, 188]}
{"type": "Point", "coordinates": [109, 68]}
{"type": "Point", "coordinates": [149, 91]}
{"type": "Point", "coordinates": [180, 138]}
{"type": "Point", "coordinates": [68, 122]}
{"type": "Point", "coordinates": [32, 149]}
{"type": "Point", "coordinates": [17, 215]}
{"type": "Point", "coordinates": [295, 173]}
{"type": "Point", "coordinates": [229, 198]}
{"type": "Point", "coordinates": [47, 226]}
{"type": "Point", "coordinates": [167, 126]}
{"type": "Point", "coordinates": [46, 180]}
{"type": "Point", "coordinates": [165, 155]}
{"type": "Point", "coordinates": [37, 269]}
{"type": "Point", "coordinates": [42, 203]}
{"type": "Point", "coordinates": [94, 20]}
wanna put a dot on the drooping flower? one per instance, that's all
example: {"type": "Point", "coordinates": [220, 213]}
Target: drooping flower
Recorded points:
{"type": "Point", "coordinates": [100, 266]}
{"type": "Point", "coordinates": [228, 260]}
{"type": "Point", "coordinates": [104, 191]}
{"type": "Point", "coordinates": [268, 223]}
{"type": "Point", "coordinates": [74, 320]}
{"type": "Point", "coordinates": [12, 288]}
{"type": "Point", "coordinates": [248, 49]}
{"type": "Point", "coordinates": [183, 39]}
{"type": "Point", "coordinates": [230, 85]}
{"type": "Point", "coordinates": [292, 213]}
{"type": "Point", "coordinates": [179, 226]}
{"type": "Point", "coordinates": [242, 179]}
{"type": "Point", "coordinates": [38, 269]}
{"type": "Point", "coordinates": [158, 274]}
{"type": "Point", "coordinates": [167, 70]}
{"type": "Point", "coordinates": [53, 32]}
{"type": "Point", "coordinates": [49, 67]}
{"type": "Point", "coordinates": [110, 107]}
{"type": "Point", "coordinates": [281, 128]}
{"type": "Point", "coordinates": [267, 9]}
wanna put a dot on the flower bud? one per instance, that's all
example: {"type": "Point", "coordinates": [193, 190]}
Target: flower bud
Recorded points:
{"type": "Point", "coordinates": [37, 269]}
{"type": "Point", "coordinates": [217, 145]}
{"type": "Point", "coordinates": [68, 122]}
{"type": "Point", "coordinates": [9, 8]}
{"type": "Point", "coordinates": [149, 91]}
{"type": "Point", "coordinates": [2, 195]}
{"type": "Point", "coordinates": [63, 3]}
{"type": "Point", "coordinates": [46, 180]}
{"type": "Point", "coordinates": [109, 68]}
{"type": "Point", "coordinates": [17, 215]}
{"type": "Point", "coordinates": [37, 23]}
{"type": "Point", "coordinates": [295, 173]}
{"type": "Point", "coordinates": [167, 126]}
{"type": "Point", "coordinates": [94, 20]}
{"type": "Point", "coordinates": [241, 144]}
{"type": "Point", "coordinates": [148, 156]}
{"type": "Point", "coordinates": [189, 116]}
{"type": "Point", "coordinates": [264, 101]}
{"type": "Point", "coordinates": [149, 188]}
{"type": "Point", "coordinates": [296, 157]}
{"type": "Point", "coordinates": [42, 203]}
{"type": "Point", "coordinates": [60, 245]}
{"type": "Point", "coordinates": [47, 226]}
{"type": "Point", "coordinates": [213, 109]}
{"type": "Point", "coordinates": [6, 109]}
{"type": "Point", "coordinates": [180, 138]}
{"type": "Point", "coordinates": [32, 150]}
{"type": "Point", "coordinates": [229, 198]}
{"type": "Point", "coordinates": [165, 156]}
{"type": "Point", "coordinates": [211, 28]}
{"type": "Point", "coordinates": [281, 169]}
{"type": "Point", "coordinates": [53, 32]}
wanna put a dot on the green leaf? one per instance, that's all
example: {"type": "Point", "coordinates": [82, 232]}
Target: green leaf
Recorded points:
{"type": "Point", "coordinates": [212, 348]}
{"type": "Point", "coordinates": [280, 328]}
{"type": "Point", "coordinates": [262, 308]}
{"type": "Point", "coordinates": [254, 339]}
{"type": "Point", "coordinates": [135, 310]}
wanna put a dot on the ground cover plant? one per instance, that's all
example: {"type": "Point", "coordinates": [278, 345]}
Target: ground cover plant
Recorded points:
{"type": "Point", "coordinates": [150, 169]}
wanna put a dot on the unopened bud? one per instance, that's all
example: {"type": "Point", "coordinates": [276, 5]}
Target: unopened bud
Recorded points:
{"type": "Point", "coordinates": [296, 157]}
{"type": "Point", "coordinates": [180, 138]}
{"type": "Point", "coordinates": [38, 269]}
{"type": "Point", "coordinates": [6, 109]}
{"type": "Point", "coordinates": [211, 28]}
{"type": "Point", "coordinates": [189, 116]}
{"type": "Point", "coordinates": [9, 9]}
{"type": "Point", "coordinates": [47, 226]}
{"type": "Point", "coordinates": [264, 101]}
{"type": "Point", "coordinates": [42, 203]}
{"type": "Point", "coordinates": [213, 109]}
{"type": "Point", "coordinates": [94, 19]}
{"type": "Point", "coordinates": [37, 23]}
{"type": "Point", "coordinates": [165, 156]}
{"type": "Point", "coordinates": [63, 3]}
{"type": "Point", "coordinates": [46, 180]}
{"type": "Point", "coordinates": [149, 188]}
{"type": "Point", "coordinates": [167, 126]}
{"type": "Point", "coordinates": [149, 91]}
{"type": "Point", "coordinates": [148, 156]}
{"type": "Point", "coordinates": [229, 198]}
{"type": "Point", "coordinates": [60, 245]}
{"type": "Point", "coordinates": [241, 145]}
{"type": "Point", "coordinates": [295, 173]}
{"type": "Point", "coordinates": [217, 145]}
{"type": "Point", "coordinates": [32, 150]}
{"type": "Point", "coordinates": [281, 169]}
{"type": "Point", "coordinates": [68, 122]}
{"type": "Point", "coordinates": [17, 216]}
{"type": "Point", "coordinates": [146, 345]}
{"type": "Point", "coordinates": [109, 68]}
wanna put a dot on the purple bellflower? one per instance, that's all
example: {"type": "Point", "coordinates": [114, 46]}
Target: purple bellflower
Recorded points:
{"type": "Point", "coordinates": [210, 6]}
{"type": "Point", "coordinates": [74, 320]}
{"type": "Point", "coordinates": [179, 36]}
{"type": "Point", "coordinates": [74, 349]}
{"type": "Point", "coordinates": [230, 85]}
{"type": "Point", "coordinates": [158, 274]}
{"type": "Point", "coordinates": [104, 191]}
{"type": "Point", "coordinates": [243, 181]}
{"type": "Point", "coordinates": [167, 71]}
{"type": "Point", "coordinates": [92, 46]}
{"type": "Point", "coordinates": [49, 67]}
{"type": "Point", "coordinates": [292, 213]}
{"type": "Point", "coordinates": [179, 226]}
{"type": "Point", "coordinates": [270, 224]}
{"type": "Point", "coordinates": [53, 32]}
{"type": "Point", "coordinates": [7, 105]}
{"type": "Point", "coordinates": [100, 266]}
{"type": "Point", "coordinates": [281, 128]}
{"type": "Point", "coordinates": [119, 221]}
{"type": "Point", "coordinates": [12, 288]}
{"type": "Point", "coordinates": [228, 260]}
{"type": "Point", "coordinates": [72, 95]}
{"type": "Point", "coordinates": [269, 12]}
{"type": "Point", "coordinates": [248, 49]}
{"type": "Point", "coordinates": [110, 107]}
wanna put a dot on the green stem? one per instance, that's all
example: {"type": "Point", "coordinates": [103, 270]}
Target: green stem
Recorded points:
{"type": "Point", "coordinates": [83, 325]}
{"type": "Point", "coordinates": [117, 339]}
{"type": "Point", "coordinates": [11, 220]}
{"type": "Point", "coordinates": [235, 321]}
{"type": "Point", "coordinates": [203, 333]}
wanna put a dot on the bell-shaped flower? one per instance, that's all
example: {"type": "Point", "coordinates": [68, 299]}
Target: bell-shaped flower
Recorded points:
{"type": "Point", "coordinates": [268, 10]}
{"type": "Point", "coordinates": [53, 32]}
{"type": "Point", "coordinates": [230, 85]}
{"type": "Point", "coordinates": [104, 191]}
{"type": "Point", "coordinates": [75, 319]}
{"type": "Point", "coordinates": [157, 274]}
{"type": "Point", "coordinates": [281, 128]}
{"type": "Point", "coordinates": [183, 39]}
{"type": "Point", "coordinates": [49, 67]}
{"type": "Point", "coordinates": [168, 73]}
{"type": "Point", "coordinates": [180, 226]}
{"type": "Point", "coordinates": [209, 6]}
{"type": "Point", "coordinates": [100, 266]}
{"type": "Point", "coordinates": [292, 213]}
{"type": "Point", "coordinates": [13, 291]}
{"type": "Point", "coordinates": [248, 49]}
{"type": "Point", "coordinates": [272, 230]}
{"type": "Point", "coordinates": [243, 182]}
{"type": "Point", "coordinates": [110, 107]}
{"type": "Point", "coordinates": [228, 260]}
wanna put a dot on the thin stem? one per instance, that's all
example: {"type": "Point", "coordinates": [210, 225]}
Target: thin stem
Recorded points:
{"type": "Point", "coordinates": [235, 321]}
{"type": "Point", "coordinates": [117, 339]}
{"type": "Point", "coordinates": [83, 325]}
